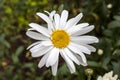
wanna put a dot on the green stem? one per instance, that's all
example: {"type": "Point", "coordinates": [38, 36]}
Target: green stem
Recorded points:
{"type": "Point", "coordinates": [89, 77]}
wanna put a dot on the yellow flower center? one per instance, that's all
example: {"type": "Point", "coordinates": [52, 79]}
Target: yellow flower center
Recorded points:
{"type": "Point", "coordinates": [60, 38]}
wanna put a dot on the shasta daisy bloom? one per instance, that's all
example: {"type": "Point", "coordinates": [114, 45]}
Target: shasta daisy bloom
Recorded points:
{"type": "Point", "coordinates": [61, 37]}
{"type": "Point", "coordinates": [108, 76]}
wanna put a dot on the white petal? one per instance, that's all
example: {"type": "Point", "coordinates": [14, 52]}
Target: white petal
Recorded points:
{"type": "Point", "coordinates": [54, 68]}
{"type": "Point", "coordinates": [46, 43]}
{"type": "Point", "coordinates": [91, 48]}
{"type": "Point", "coordinates": [81, 48]}
{"type": "Point", "coordinates": [63, 19]}
{"type": "Point", "coordinates": [110, 73]}
{"type": "Point", "coordinates": [80, 60]}
{"type": "Point", "coordinates": [77, 51]}
{"type": "Point", "coordinates": [70, 23]}
{"type": "Point", "coordinates": [33, 44]}
{"type": "Point", "coordinates": [51, 14]}
{"type": "Point", "coordinates": [115, 77]}
{"type": "Point", "coordinates": [70, 64]}
{"type": "Point", "coordinates": [31, 29]}
{"type": "Point", "coordinates": [78, 17]}
{"type": "Point", "coordinates": [40, 46]}
{"type": "Point", "coordinates": [40, 29]}
{"type": "Point", "coordinates": [57, 21]}
{"type": "Point", "coordinates": [36, 48]}
{"type": "Point", "coordinates": [47, 12]}
{"type": "Point", "coordinates": [84, 30]}
{"type": "Point", "coordinates": [77, 28]}
{"type": "Point", "coordinates": [99, 78]}
{"type": "Point", "coordinates": [85, 39]}
{"type": "Point", "coordinates": [53, 57]}
{"type": "Point", "coordinates": [43, 60]}
{"type": "Point", "coordinates": [42, 51]}
{"type": "Point", "coordinates": [73, 21]}
{"type": "Point", "coordinates": [71, 56]}
{"type": "Point", "coordinates": [46, 19]}
{"type": "Point", "coordinates": [36, 36]}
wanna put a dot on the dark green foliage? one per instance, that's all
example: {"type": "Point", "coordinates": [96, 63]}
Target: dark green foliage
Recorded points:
{"type": "Point", "coordinates": [16, 62]}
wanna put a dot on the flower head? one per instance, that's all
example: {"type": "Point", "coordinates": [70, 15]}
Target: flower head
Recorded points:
{"type": "Point", "coordinates": [61, 37]}
{"type": "Point", "coordinates": [108, 76]}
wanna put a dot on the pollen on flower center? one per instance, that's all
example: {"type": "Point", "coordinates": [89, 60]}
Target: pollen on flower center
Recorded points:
{"type": "Point", "coordinates": [60, 38]}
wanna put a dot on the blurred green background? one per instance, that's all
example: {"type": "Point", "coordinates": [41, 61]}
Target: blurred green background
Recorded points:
{"type": "Point", "coordinates": [16, 62]}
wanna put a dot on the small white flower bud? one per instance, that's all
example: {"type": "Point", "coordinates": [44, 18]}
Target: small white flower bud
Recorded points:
{"type": "Point", "coordinates": [100, 51]}
{"type": "Point", "coordinates": [109, 6]}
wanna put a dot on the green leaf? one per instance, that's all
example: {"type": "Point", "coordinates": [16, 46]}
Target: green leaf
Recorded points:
{"type": "Point", "coordinates": [38, 78]}
{"type": "Point", "coordinates": [108, 33]}
{"type": "Point", "coordinates": [7, 44]}
{"type": "Point", "coordinates": [28, 65]}
{"type": "Point", "coordinates": [63, 70]}
{"type": "Point", "coordinates": [116, 17]}
{"type": "Point", "coordinates": [14, 39]}
{"type": "Point", "coordinates": [117, 51]}
{"type": "Point", "coordinates": [104, 9]}
{"type": "Point", "coordinates": [105, 62]}
{"type": "Point", "coordinates": [61, 7]}
{"type": "Point", "coordinates": [93, 64]}
{"type": "Point", "coordinates": [15, 58]}
{"type": "Point", "coordinates": [116, 67]}
{"type": "Point", "coordinates": [19, 50]}
{"type": "Point", "coordinates": [118, 43]}
{"type": "Point", "coordinates": [16, 54]}
{"type": "Point", "coordinates": [114, 24]}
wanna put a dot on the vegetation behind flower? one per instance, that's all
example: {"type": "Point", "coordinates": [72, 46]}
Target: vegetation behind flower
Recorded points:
{"type": "Point", "coordinates": [16, 62]}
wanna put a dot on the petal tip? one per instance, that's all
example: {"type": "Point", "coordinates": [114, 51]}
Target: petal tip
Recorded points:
{"type": "Point", "coordinates": [92, 26]}
{"type": "Point", "coordinates": [37, 13]}
{"type": "Point", "coordinates": [39, 66]}
{"type": "Point", "coordinates": [97, 40]}
{"type": "Point", "coordinates": [65, 11]}
{"type": "Point", "coordinates": [81, 14]}
{"type": "Point", "coordinates": [54, 74]}
{"type": "Point", "coordinates": [30, 24]}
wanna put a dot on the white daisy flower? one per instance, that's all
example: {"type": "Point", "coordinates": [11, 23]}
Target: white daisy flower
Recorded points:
{"type": "Point", "coordinates": [61, 37]}
{"type": "Point", "coordinates": [108, 76]}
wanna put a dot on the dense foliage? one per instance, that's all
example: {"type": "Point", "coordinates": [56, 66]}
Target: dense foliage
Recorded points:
{"type": "Point", "coordinates": [16, 62]}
